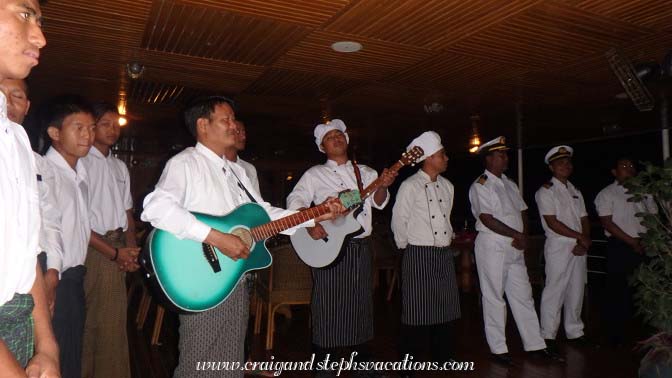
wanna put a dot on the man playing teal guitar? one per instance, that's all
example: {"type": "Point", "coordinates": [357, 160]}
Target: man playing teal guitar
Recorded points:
{"type": "Point", "coordinates": [202, 200]}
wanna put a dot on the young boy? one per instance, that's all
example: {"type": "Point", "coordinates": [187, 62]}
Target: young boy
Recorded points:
{"type": "Point", "coordinates": [112, 252]}
{"type": "Point", "coordinates": [70, 125]}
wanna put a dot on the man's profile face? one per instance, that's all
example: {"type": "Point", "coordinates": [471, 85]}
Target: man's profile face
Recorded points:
{"type": "Point", "coordinates": [21, 37]}
{"type": "Point", "coordinates": [241, 136]}
{"type": "Point", "coordinates": [17, 99]}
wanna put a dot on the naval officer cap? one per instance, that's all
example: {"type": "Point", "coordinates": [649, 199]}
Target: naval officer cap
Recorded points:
{"type": "Point", "coordinates": [429, 141]}
{"type": "Point", "coordinates": [497, 144]}
{"type": "Point", "coordinates": [322, 129]}
{"type": "Point", "coordinates": [558, 152]}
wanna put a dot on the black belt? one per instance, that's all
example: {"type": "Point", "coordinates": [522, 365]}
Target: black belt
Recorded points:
{"type": "Point", "coordinates": [359, 241]}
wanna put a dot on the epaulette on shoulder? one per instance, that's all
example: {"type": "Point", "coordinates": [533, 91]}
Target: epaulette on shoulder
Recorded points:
{"type": "Point", "coordinates": [548, 185]}
{"type": "Point", "coordinates": [482, 179]}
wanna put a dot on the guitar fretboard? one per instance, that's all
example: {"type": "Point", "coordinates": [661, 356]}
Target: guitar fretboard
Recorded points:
{"type": "Point", "coordinates": [376, 183]}
{"type": "Point", "coordinates": [275, 227]}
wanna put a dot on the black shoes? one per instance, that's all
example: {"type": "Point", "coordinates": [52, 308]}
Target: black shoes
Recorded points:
{"type": "Point", "coordinates": [583, 342]}
{"type": "Point", "coordinates": [503, 359]}
{"type": "Point", "coordinates": [547, 354]}
{"type": "Point", "coordinates": [552, 345]}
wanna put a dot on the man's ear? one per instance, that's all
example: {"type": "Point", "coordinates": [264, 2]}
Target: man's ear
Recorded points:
{"type": "Point", "coordinates": [613, 172]}
{"type": "Point", "coordinates": [27, 107]}
{"type": "Point", "coordinates": [54, 133]}
{"type": "Point", "coordinates": [201, 126]}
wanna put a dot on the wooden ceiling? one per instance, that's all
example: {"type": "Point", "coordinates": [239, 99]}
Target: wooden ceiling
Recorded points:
{"type": "Point", "coordinates": [275, 57]}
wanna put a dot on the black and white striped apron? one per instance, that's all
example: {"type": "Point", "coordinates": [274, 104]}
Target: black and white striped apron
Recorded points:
{"type": "Point", "coordinates": [428, 288]}
{"type": "Point", "coordinates": [342, 301]}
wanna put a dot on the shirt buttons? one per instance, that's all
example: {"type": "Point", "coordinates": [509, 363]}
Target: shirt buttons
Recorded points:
{"type": "Point", "coordinates": [436, 233]}
{"type": "Point", "coordinates": [432, 217]}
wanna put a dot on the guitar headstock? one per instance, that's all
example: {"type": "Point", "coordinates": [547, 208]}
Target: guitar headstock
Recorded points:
{"type": "Point", "coordinates": [409, 157]}
{"type": "Point", "coordinates": [350, 198]}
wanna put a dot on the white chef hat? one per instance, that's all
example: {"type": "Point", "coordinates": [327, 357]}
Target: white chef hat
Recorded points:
{"type": "Point", "coordinates": [322, 129]}
{"type": "Point", "coordinates": [429, 141]}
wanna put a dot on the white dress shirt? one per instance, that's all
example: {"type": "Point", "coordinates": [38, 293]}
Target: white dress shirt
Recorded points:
{"type": "Point", "coordinates": [109, 191]}
{"type": "Point", "coordinates": [51, 237]}
{"type": "Point", "coordinates": [613, 200]}
{"type": "Point", "coordinates": [498, 197]}
{"type": "Point", "coordinates": [251, 173]}
{"type": "Point", "coordinates": [71, 188]}
{"type": "Point", "coordinates": [19, 209]}
{"type": "Point", "coordinates": [563, 201]}
{"type": "Point", "coordinates": [198, 180]}
{"type": "Point", "coordinates": [327, 180]}
{"type": "Point", "coordinates": [421, 212]}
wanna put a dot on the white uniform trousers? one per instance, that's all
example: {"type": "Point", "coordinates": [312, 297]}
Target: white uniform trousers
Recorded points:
{"type": "Point", "coordinates": [565, 284]}
{"type": "Point", "coordinates": [501, 269]}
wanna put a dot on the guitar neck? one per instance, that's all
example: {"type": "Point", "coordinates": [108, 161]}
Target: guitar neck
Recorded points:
{"type": "Point", "coordinates": [375, 184]}
{"type": "Point", "coordinates": [275, 227]}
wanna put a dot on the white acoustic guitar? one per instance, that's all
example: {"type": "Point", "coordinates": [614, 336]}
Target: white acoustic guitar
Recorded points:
{"type": "Point", "coordinates": [322, 252]}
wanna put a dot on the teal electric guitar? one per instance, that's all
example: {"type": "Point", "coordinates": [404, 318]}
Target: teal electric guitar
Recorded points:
{"type": "Point", "coordinates": [195, 277]}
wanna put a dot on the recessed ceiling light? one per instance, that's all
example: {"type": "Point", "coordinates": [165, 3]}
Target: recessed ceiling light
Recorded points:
{"type": "Point", "coordinates": [346, 46]}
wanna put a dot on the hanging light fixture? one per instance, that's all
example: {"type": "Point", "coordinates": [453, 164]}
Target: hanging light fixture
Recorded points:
{"type": "Point", "coordinates": [475, 139]}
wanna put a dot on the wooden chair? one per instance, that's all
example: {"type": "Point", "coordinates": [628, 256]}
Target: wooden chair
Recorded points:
{"type": "Point", "coordinates": [287, 282]}
{"type": "Point", "coordinates": [385, 259]}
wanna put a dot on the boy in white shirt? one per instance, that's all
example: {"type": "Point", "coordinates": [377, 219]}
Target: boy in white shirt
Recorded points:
{"type": "Point", "coordinates": [112, 252]}
{"type": "Point", "coordinates": [70, 127]}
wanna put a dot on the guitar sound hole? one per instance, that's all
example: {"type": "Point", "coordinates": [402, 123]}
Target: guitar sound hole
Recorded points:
{"type": "Point", "coordinates": [244, 234]}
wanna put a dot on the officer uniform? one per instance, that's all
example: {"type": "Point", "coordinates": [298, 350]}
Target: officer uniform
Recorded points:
{"type": "Point", "coordinates": [501, 267]}
{"type": "Point", "coordinates": [565, 272]}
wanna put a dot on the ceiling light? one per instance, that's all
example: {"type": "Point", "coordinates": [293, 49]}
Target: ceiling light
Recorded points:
{"type": "Point", "coordinates": [346, 46]}
{"type": "Point", "coordinates": [123, 121]}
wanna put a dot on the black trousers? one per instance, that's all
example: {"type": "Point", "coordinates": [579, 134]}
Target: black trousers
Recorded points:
{"type": "Point", "coordinates": [622, 261]}
{"type": "Point", "coordinates": [68, 321]}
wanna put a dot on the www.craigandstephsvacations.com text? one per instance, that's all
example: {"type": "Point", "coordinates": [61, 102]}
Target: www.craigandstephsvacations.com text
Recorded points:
{"type": "Point", "coordinates": [337, 365]}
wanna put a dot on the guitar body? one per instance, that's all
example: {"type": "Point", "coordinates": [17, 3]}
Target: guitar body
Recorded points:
{"type": "Point", "coordinates": [322, 252]}
{"type": "Point", "coordinates": [184, 274]}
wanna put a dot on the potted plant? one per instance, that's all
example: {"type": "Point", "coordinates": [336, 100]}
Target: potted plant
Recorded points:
{"type": "Point", "coordinates": [653, 280]}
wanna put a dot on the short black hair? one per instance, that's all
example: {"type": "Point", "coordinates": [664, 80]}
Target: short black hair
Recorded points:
{"type": "Point", "coordinates": [100, 108]}
{"type": "Point", "coordinates": [57, 109]}
{"type": "Point", "coordinates": [203, 107]}
{"type": "Point", "coordinates": [622, 158]}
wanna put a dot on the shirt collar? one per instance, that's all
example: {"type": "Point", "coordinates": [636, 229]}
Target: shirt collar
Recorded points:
{"type": "Point", "coordinates": [331, 163]}
{"type": "Point", "coordinates": [555, 181]}
{"type": "Point", "coordinates": [425, 177]}
{"type": "Point", "coordinates": [3, 106]}
{"type": "Point", "coordinates": [492, 176]}
{"type": "Point", "coordinates": [58, 159]}
{"type": "Point", "coordinates": [210, 155]}
{"type": "Point", "coordinates": [96, 152]}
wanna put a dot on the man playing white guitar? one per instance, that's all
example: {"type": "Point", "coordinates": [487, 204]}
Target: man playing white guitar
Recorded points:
{"type": "Point", "coordinates": [342, 303]}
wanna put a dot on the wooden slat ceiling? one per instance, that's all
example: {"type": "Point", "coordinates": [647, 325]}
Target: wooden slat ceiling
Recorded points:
{"type": "Point", "coordinates": [276, 54]}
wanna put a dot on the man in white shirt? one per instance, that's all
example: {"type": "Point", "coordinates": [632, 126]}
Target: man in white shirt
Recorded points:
{"type": "Point", "coordinates": [501, 223]}
{"type": "Point", "coordinates": [565, 221]}
{"type": "Point", "coordinates": [70, 126]}
{"type": "Point", "coordinates": [342, 303]}
{"type": "Point", "coordinates": [27, 344]}
{"type": "Point", "coordinates": [50, 227]}
{"type": "Point", "coordinates": [201, 179]}
{"type": "Point", "coordinates": [624, 249]}
{"type": "Point", "coordinates": [112, 252]}
{"type": "Point", "coordinates": [421, 226]}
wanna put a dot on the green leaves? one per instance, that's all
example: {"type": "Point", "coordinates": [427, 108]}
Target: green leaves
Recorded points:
{"type": "Point", "coordinates": [653, 280]}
